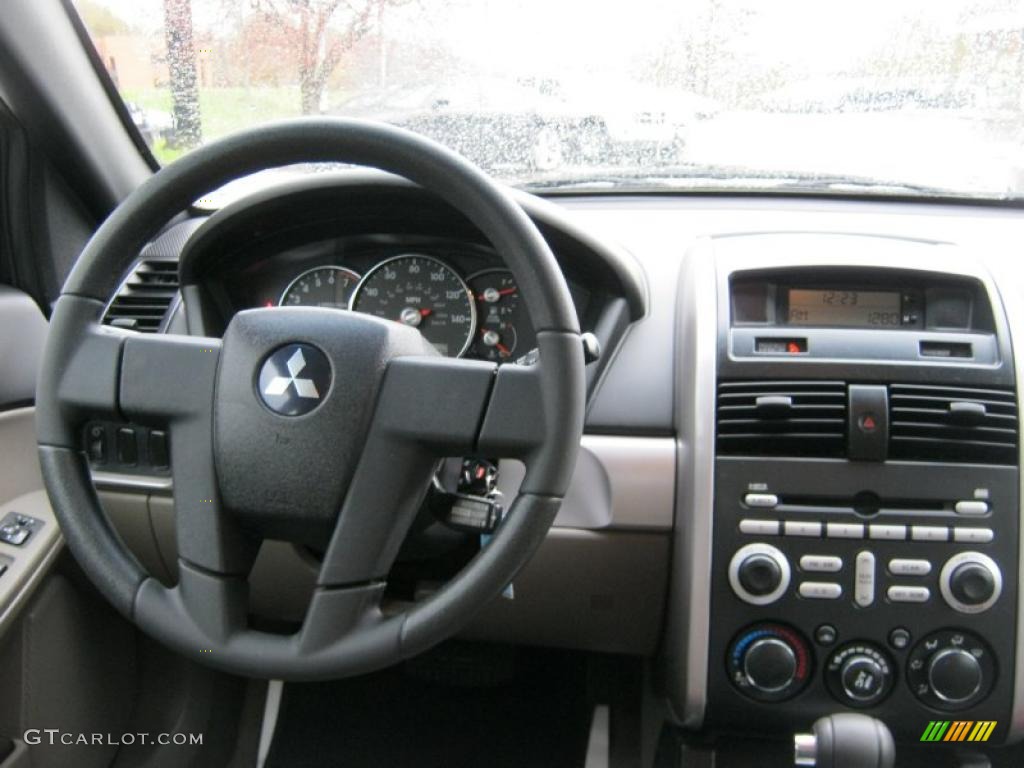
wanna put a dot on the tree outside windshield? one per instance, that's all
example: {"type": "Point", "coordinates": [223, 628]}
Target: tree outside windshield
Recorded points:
{"type": "Point", "coordinates": [910, 97]}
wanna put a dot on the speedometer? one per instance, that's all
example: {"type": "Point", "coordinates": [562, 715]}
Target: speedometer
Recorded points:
{"type": "Point", "coordinates": [422, 292]}
{"type": "Point", "coordinates": [321, 287]}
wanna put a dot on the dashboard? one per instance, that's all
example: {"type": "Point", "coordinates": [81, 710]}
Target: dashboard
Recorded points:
{"type": "Point", "coordinates": [799, 486]}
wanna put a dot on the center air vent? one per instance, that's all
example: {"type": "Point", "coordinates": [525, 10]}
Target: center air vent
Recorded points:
{"type": "Point", "coordinates": [959, 424]}
{"type": "Point", "coordinates": [144, 298]}
{"type": "Point", "coordinates": [782, 418]}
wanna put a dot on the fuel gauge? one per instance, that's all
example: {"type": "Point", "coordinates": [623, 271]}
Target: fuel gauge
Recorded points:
{"type": "Point", "coordinates": [502, 322]}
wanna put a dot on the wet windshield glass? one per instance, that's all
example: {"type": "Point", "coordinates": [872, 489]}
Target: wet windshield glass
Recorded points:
{"type": "Point", "coordinates": [916, 97]}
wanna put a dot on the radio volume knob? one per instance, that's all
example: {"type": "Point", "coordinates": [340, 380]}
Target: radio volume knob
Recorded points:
{"type": "Point", "coordinates": [970, 582]}
{"type": "Point", "coordinates": [759, 574]}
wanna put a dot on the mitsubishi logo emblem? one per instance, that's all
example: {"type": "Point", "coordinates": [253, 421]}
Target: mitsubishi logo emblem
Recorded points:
{"type": "Point", "coordinates": [294, 379]}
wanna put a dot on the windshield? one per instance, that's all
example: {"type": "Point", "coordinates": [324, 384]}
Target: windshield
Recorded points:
{"type": "Point", "coordinates": [913, 97]}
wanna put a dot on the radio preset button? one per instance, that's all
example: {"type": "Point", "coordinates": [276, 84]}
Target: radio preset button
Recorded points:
{"type": "Point", "coordinates": [821, 563]}
{"type": "Point", "coordinates": [903, 594]}
{"type": "Point", "coordinates": [760, 527]}
{"type": "Point", "coordinates": [888, 532]}
{"type": "Point", "coordinates": [973, 535]}
{"type": "Point", "coordinates": [906, 567]}
{"type": "Point", "coordinates": [761, 500]}
{"type": "Point", "coordinates": [845, 530]}
{"type": "Point", "coordinates": [971, 507]}
{"type": "Point", "coordinates": [929, 533]}
{"type": "Point", "coordinates": [795, 528]}
{"type": "Point", "coordinates": [864, 579]}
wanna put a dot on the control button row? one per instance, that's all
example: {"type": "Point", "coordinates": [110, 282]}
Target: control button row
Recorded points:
{"type": "Point", "coordinates": [876, 531]}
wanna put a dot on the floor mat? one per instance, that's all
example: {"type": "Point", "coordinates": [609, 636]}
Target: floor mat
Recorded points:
{"type": "Point", "coordinates": [452, 708]}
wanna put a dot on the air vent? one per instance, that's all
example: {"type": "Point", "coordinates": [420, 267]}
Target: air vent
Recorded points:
{"type": "Point", "coordinates": [782, 418]}
{"type": "Point", "coordinates": [144, 298]}
{"type": "Point", "coordinates": [957, 424]}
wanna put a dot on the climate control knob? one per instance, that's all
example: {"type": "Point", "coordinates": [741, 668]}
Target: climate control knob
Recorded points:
{"type": "Point", "coordinates": [769, 662]}
{"type": "Point", "coordinates": [759, 574]}
{"type": "Point", "coordinates": [951, 669]}
{"type": "Point", "coordinates": [970, 582]}
{"type": "Point", "coordinates": [859, 674]}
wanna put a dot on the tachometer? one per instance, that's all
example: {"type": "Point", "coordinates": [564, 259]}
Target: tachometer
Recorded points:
{"type": "Point", "coordinates": [423, 292]}
{"type": "Point", "coordinates": [503, 325]}
{"type": "Point", "coordinates": [321, 287]}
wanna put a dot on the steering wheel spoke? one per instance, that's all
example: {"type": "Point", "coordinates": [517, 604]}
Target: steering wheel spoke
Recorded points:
{"type": "Point", "coordinates": [171, 380]}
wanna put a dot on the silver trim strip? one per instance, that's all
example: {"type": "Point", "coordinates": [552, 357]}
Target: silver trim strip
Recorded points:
{"type": "Point", "coordinates": [696, 356]}
{"type": "Point", "coordinates": [1010, 296]}
{"type": "Point", "coordinates": [271, 709]}
{"type": "Point", "coordinates": [117, 481]}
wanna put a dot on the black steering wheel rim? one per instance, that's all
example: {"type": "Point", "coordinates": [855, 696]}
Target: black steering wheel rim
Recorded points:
{"type": "Point", "coordinates": [91, 371]}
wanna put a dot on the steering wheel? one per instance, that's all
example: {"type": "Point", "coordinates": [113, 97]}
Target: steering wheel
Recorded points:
{"type": "Point", "coordinates": [306, 423]}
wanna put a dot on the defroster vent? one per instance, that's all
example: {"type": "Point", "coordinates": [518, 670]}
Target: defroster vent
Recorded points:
{"type": "Point", "coordinates": [782, 418]}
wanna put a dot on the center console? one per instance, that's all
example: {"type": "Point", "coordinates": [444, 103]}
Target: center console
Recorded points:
{"type": "Point", "coordinates": [864, 519]}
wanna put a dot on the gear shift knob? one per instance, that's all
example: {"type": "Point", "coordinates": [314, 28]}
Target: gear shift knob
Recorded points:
{"type": "Point", "coordinates": [845, 740]}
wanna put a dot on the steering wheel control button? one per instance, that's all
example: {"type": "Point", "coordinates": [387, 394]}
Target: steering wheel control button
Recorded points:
{"type": "Point", "coordinates": [800, 528]}
{"type": "Point", "coordinates": [973, 535]}
{"type": "Point", "coordinates": [971, 508]}
{"type": "Point", "coordinates": [759, 574]}
{"type": "Point", "coordinates": [820, 590]}
{"type": "Point", "coordinates": [761, 500]}
{"type": "Point", "coordinates": [864, 579]}
{"type": "Point", "coordinates": [845, 530]}
{"type": "Point", "coordinates": [127, 447]}
{"type": "Point", "coordinates": [859, 674]}
{"type": "Point", "coordinates": [903, 594]}
{"type": "Point", "coordinates": [760, 527]}
{"type": "Point", "coordinates": [929, 533]}
{"type": "Point", "coordinates": [294, 379]}
{"type": "Point", "coordinates": [769, 662]}
{"type": "Point", "coordinates": [887, 532]}
{"type": "Point", "coordinates": [826, 634]}
{"type": "Point", "coordinates": [951, 670]}
{"type": "Point", "coordinates": [899, 639]}
{"type": "Point", "coordinates": [821, 563]}
{"type": "Point", "coordinates": [906, 567]}
{"type": "Point", "coordinates": [971, 582]}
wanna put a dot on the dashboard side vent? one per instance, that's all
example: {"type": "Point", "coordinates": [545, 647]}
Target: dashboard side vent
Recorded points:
{"type": "Point", "coordinates": [782, 418]}
{"type": "Point", "coordinates": [957, 424]}
{"type": "Point", "coordinates": [145, 296]}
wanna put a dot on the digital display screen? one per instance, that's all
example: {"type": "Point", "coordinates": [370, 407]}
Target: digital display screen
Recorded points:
{"type": "Point", "coordinates": [851, 309]}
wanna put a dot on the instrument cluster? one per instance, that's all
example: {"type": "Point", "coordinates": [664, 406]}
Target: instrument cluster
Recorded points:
{"type": "Point", "coordinates": [479, 315]}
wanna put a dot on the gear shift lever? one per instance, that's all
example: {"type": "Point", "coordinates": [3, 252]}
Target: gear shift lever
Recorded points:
{"type": "Point", "coordinates": [845, 740]}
